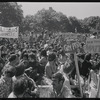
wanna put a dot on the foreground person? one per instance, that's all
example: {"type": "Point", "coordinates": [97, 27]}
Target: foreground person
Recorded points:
{"type": "Point", "coordinates": [19, 89]}
{"type": "Point", "coordinates": [6, 81]}
{"type": "Point", "coordinates": [60, 89]}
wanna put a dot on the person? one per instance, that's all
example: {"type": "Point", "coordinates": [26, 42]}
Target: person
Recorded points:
{"type": "Point", "coordinates": [43, 59]}
{"type": "Point", "coordinates": [2, 63]}
{"type": "Point", "coordinates": [63, 57]}
{"type": "Point", "coordinates": [12, 61]}
{"type": "Point", "coordinates": [6, 81]}
{"type": "Point", "coordinates": [83, 66]}
{"type": "Point", "coordinates": [60, 89]}
{"type": "Point", "coordinates": [20, 89]}
{"type": "Point", "coordinates": [51, 67]}
{"type": "Point", "coordinates": [33, 67]}
{"type": "Point", "coordinates": [25, 60]}
{"type": "Point", "coordinates": [20, 73]}
{"type": "Point", "coordinates": [4, 57]}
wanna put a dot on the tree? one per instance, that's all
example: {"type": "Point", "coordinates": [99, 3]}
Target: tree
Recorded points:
{"type": "Point", "coordinates": [11, 14]}
{"type": "Point", "coordinates": [92, 23]}
{"type": "Point", "coordinates": [75, 24]}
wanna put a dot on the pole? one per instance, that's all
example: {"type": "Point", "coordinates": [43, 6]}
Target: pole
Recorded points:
{"type": "Point", "coordinates": [78, 74]}
{"type": "Point", "coordinates": [98, 86]}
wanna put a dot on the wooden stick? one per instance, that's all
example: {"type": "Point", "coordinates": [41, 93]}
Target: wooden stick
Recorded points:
{"type": "Point", "coordinates": [78, 74]}
{"type": "Point", "coordinates": [98, 86]}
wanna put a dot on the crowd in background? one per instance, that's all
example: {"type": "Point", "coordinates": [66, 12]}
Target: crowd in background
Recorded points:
{"type": "Point", "coordinates": [25, 66]}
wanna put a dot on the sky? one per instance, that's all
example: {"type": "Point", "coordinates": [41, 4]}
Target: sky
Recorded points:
{"type": "Point", "coordinates": [78, 9]}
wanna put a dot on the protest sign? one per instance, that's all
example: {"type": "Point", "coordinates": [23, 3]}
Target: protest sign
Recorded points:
{"type": "Point", "coordinates": [78, 74]}
{"type": "Point", "coordinates": [26, 37]}
{"type": "Point", "coordinates": [70, 42]}
{"type": "Point", "coordinates": [45, 91]}
{"type": "Point", "coordinates": [9, 32]}
{"type": "Point", "coordinates": [70, 36]}
{"type": "Point", "coordinates": [92, 45]}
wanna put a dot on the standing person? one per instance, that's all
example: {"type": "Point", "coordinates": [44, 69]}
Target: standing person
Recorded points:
{"type": "Point", "coordinates": [6, 81]}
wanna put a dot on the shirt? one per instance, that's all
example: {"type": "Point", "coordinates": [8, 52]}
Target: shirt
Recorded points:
{"type": "Point", "coordinates": [12, 95]}
{"type": "Point", "coordinates": [31, 83]}
{"type": "Point", "coordinates": [5, 87]}
{"type": "Point", "coordinates": [50, 70]}
{"type": "Point", "coordinates": [64, 93]}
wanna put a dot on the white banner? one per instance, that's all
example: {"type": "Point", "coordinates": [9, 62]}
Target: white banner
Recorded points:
{"type": "Point", "coordinates": [9, 32]}
{"type": "Point", "coordinates": [93, 45]}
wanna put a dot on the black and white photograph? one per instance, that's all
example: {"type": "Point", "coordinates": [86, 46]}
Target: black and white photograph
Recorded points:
{"type": "Point", "coordinates": [49, 49]}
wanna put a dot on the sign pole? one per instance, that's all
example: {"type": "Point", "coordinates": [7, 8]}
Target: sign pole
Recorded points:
{"type": "Point", "coordinates": [78, 74]}
{"type": "Point", "coordinates": [98, 87]}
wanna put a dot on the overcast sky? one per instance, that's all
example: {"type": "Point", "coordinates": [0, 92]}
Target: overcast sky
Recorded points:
{"type": "Point", "coordinates": [77, 9]}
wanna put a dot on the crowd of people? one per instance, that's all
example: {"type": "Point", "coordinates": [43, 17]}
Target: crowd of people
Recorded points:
{"type": "Point", "coordinates": [24, 69]}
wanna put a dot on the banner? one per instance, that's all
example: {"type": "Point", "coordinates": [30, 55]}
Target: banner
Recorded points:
{"type": "Point", "coordinates": [70, 36]}
{"type": "Point", "coordinates": [93, 45]}
{"type": "Point", "coordinates": [9, 32]}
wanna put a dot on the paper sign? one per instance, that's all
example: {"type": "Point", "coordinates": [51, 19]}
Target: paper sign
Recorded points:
{"type": "Point", "coordinates": [93, 45]}
{"type": "Point", "coordinates": [9, 32]}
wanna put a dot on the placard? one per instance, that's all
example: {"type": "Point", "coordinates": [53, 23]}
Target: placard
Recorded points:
{"type": "Point", "coordinates": [9, 32]}
{"type": "Point", "coordinates": [93, 45]}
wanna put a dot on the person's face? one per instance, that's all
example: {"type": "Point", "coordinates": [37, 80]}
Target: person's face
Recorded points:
{"type": "Point", "coordinates": [15, 46]}
{"type": "Point", "coordinates": [25, 59]}
{"type": "Point", "coordinates": [56, 83]}
{"type": "Point", "coordinates": [79, 59]}
{"type": "Point", "coordinates": [31, 60]}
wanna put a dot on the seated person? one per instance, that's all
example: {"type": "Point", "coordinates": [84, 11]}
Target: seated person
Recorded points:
{"type": "Point", "coordinates": [60, 89]}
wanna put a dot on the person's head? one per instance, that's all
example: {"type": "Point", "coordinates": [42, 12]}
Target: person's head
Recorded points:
{"type": "Point", "coordinates": [88, 57]}
{"type": "Point", "coordinates": [25, 56]}
{"type": "Point", "coordinates": [34, 51]}
{"type": "Point", "coordinates": [20, 68]}
{"type": "Point", "coordinates": [68, 68]}
{"type": "Point", "coordinates": [81, 57]}
{"type": "Point", "coordinates": [14, 59]}
{"type": "Point", "coordinates": [32, 57]}
{"type": "Point", "coordinates": [82, 44]}
{"type": "Point", "coordinates": [57, 80]}
{"type": "Point", "coordinates": [20, 87]}
{"type": "Point", "coordinates": [15, 46]}
{"type": "Point", "coordinates": [43, 53]}
{"type": "Point", "coordinates": [9, 71]}
{"type": "Point", "coordinates": [72, 57]}
{"type": "Point", "coordinates": [52, 57]}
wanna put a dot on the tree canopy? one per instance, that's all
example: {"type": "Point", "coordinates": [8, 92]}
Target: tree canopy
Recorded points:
{"type": "Point", "coordinates": [11, 14]}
